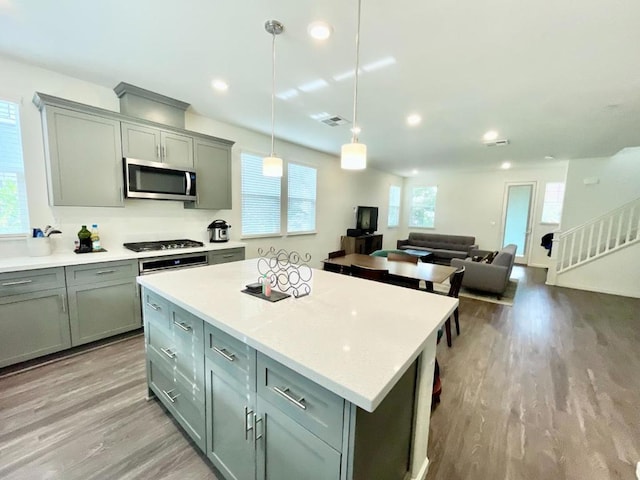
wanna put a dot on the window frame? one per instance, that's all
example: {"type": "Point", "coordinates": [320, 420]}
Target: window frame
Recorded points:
{"type": "Point", "coordinates": [286, 202]}
{"type": "Point", "coordinates": [545, 203]}
{"type": "Point", "coordinates": [412, 206]}
{"type": "Point", "coordinates": [398, 206]}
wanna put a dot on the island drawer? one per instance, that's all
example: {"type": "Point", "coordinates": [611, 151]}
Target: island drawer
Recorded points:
{"type": "Point", "coordinates": [187, 331]}
{"type": "Point", "coordinates": [26, 281]}
{"type": "Point", "coordinates": [231, 355]}
{"type": "Point", "coordinates": [101, 272]}
{"type": "Point", "coordinates": [184, 400]}
{"type": "Point", "coordinates": [156, 310]}
{"type": "Point", "coordinates": [312, 406]}
{"type": "Point", "coordinates": [225, 256]}
{"type": "Point", "coordinates": [175, 355]}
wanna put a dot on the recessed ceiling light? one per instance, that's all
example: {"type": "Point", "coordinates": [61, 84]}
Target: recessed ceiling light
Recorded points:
{"type": "Point", "coordinates": [505, 165]}
{"type": "Point", "coordinates": [414, 119]}
{"type": "Point", "coordinates": [549, 157]}
{"type": "Point", "coordinates": [490, 136]}
{"type": "Point", "coordinates": [319, 30]}
{"type": "Point", "coordinates": [220, 85]}
{"type": "Point", "coordinates": [414, 171]}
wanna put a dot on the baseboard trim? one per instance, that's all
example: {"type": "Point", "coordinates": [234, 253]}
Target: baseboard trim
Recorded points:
{"type": "Point", "coordinates": [589, 288]}
{"type": "Point", "coordinates": [422, 473]}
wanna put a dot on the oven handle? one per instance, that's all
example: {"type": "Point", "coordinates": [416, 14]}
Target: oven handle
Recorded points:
{"type": "Point", "coordinates": [147, 271]}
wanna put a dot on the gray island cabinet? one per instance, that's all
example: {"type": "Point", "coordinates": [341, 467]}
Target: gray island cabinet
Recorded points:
{"type": "Point", "coordinates": [335, 385]}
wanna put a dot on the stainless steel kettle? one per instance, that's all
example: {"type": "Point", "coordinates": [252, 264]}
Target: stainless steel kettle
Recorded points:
{"type": "Point", "coordinates": [218, 231]}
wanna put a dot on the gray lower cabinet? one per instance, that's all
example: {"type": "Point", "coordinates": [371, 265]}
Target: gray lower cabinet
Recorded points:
{"type": "Point", "coordinates": [213, 170]}
{"type": "Point", "coordinates": [33, 314]}
{"type": "Point", "coordinates": [84, 159]}
{"type": "Point", "coordinates": [103, 300]}
{"type": "Point", "coordinates": [226, 256]}
{"type": "Point", "coordinates": [143, 142]}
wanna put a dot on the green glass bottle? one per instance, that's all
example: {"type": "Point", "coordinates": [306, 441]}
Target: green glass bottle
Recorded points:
{"type": "Point", "coordinates": [84, 236]}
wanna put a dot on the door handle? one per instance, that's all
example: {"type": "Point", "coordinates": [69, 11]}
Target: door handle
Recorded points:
{"type": "Point", "coordinates": [247, 427]}
{"type": "Point", "coordinates": [256, 437]}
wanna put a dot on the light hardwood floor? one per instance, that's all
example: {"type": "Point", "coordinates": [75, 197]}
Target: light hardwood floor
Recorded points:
{"type": "Point", "coordinates": [547, 389]}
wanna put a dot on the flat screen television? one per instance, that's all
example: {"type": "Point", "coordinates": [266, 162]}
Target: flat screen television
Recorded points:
{"type": "Point", "coordinates": [367, 219]}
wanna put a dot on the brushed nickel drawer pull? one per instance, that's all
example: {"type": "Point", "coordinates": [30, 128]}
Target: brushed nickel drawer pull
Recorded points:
{"type": "Point", "coordinates": [285, 393]}
{"type": "Point", "coordinates": [256, 437]}
{"type": "Point", "coordinates": [227, 355]}
{"type": "Point", "coordinates": [102, 272]}
{"type": "Point", "coordinates": [247, 427]}
{"type": "Point", "coordinates": [17, 282]}
{"type": "Point", "coordinates": [231, 255]}
{"type": "Point", "coordinates": [168, 352]}
{"type": "Point", "coordinates": [169, 397]}
{"type": "Point", "coordinates": [183, 326]}
{"type": "Point", "coordinates": [157, 308]}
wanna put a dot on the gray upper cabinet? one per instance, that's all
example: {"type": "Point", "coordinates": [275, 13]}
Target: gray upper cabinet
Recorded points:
{"type": "Point", "coordinates": [84, 159]}
{"type": "Point", "coordinates": [147, 143]}
{"type": "Point", "coordinates": [213, 170]}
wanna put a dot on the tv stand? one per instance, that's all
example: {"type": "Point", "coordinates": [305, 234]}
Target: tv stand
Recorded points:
{"type": "Point", "coordinates": [364, 244]}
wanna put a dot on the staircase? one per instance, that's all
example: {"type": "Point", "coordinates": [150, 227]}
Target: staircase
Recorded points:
{"type": "Point", "coordinates": [601, 236]}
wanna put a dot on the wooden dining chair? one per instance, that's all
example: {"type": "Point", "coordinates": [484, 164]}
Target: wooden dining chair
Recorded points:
{"type": "Point", "coordinates": [369, 273]}
{"type": "Point", "coordinates": [402, 257]}
{"type": "Point", "coordinates": [454, 291]}
{"type": "Point", "coordinates": [330, 267]}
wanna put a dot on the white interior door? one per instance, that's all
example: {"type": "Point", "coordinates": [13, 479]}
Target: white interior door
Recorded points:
{"type": "Point", "coordinates": [518, 201]}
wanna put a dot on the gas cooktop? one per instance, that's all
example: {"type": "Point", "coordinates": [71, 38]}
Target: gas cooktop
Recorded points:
{"type": "Point", "coordinates": [162, 245]}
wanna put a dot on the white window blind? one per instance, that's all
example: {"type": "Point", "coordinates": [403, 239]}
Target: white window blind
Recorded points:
{"type": "Point", "coordinates": [553, 200]}
{"type": "Point", "coordinates": [394, 206]}
{"type": "Point", "coordinates": [423, 207]}
{"type": "Point", "coordinates": [260, 199]}
{"type": "Point", "coordinates": [14, 216]}
{"type": "Point", "coordinates": [301, 198]}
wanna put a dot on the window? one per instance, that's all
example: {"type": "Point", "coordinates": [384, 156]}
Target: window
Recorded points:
{"type": "Point", "coordinates": [262, 200]}
{"type": "Point", "coordinates": [393, 219]}
{"type": "Point", "coordinates": [301, 199]}
{"type": "Point", "coordinates": [423, 207]}
{"type": "Point", "coordinates": [14, 216]}
{"type": "Point", "coordinates": [553, 199]}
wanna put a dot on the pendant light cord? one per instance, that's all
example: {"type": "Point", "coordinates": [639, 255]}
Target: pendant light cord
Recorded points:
{"type": "Point", "coordinates": [273, 91]}
{"type": "Point", "coordinates": [354, 130]}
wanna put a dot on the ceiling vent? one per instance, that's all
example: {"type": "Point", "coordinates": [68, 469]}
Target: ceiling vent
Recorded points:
{"type": "Point", "coordinates": [334, 121]}
{"type": "Point", "coordinates": [497, 143]}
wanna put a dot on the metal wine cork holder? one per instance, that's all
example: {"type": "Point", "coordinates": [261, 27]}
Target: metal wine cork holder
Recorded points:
{"type": "Point", "coordinates": [288, 272]}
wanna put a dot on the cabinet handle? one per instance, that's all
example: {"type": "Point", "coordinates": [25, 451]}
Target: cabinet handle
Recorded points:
{"type": "Point", "coordinates": [227, 355]}
{"type": "Point", "coordinates": [158, 151]}
{"type": "Point", "coordinates": [64, 303]}
{"type": "Point", "coordinates": [103, 272]}
{"type": "Point", "coordinates": [284, 393]}
{"type": "Point", "coordinates": [247, 427]}
{"type": "Point", "coordinates": [228, 256]}
{"type": "Point", "coordinates": [164, 151]}
{"type": "Point", "coordinates": [18, 282]}
{"type": "Point", "coordinates": [157, 308]}
{"type": "Point", "coordinates": [256, 437]}
{"type": "Point", "coordinates": [183, 326]}
{"type": "Point", "coordinates": [168, 352]}
{"type": "Point", "coordinates": [121, 194]}
{"type": "Point", "coordinates": [169, 397]}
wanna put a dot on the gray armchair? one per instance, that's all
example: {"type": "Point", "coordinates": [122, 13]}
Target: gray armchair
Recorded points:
{"type": "Point", "coordinates": [489, 277]}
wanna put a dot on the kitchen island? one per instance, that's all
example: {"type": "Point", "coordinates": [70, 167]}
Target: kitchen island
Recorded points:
{"type": "Point", "coordinates": [336, 384]}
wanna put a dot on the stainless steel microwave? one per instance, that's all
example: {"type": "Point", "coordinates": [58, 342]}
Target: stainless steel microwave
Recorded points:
{"type": "Point", "coordinates": [158, 181]}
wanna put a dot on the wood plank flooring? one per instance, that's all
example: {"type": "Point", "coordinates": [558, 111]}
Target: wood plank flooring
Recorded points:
{"type": "Point", "coordinates": [547, 389]}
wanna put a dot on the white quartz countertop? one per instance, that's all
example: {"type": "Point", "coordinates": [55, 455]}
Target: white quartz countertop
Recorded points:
{"type": "Point", "coordinates": [58, 259]}
{"type": "Point", "coordinates": [354, 337]}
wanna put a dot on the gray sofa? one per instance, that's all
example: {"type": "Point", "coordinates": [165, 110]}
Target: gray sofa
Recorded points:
{"type": "Point", "coordinates": [443, 247]}
{"type": "Point", "coordinates": [489, 277]}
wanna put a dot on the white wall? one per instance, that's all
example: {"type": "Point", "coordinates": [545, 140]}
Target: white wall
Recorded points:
{"type": "Point", "coordinates": [338, 191]}
{"type": "Point", "coordinates": [471, 203]}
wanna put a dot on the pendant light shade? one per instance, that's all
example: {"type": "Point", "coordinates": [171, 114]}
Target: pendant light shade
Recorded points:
{"type": "Point", "coordinates": [272, 165]}
{"type": "Point", "coordinates": [353, 156]}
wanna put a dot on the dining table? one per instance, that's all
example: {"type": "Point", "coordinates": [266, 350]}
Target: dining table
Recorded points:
{"type": "Point", "coordinates": [429, 272]}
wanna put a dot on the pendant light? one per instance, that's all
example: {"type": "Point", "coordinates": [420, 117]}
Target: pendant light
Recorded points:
{"type": "Point", "coordinates": [354, 155]}
{"type": "Point", "coordinates": [272, 165]}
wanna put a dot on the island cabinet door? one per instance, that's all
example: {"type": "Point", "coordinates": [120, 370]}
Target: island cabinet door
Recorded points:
{"type": "Point", "coordinates": [230, 425]}
{"type": "Point", "coordinates": [285, 449]}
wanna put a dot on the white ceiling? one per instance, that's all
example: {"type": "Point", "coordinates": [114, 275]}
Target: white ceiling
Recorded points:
{"type": "Point", "coordinates": [559, 78]}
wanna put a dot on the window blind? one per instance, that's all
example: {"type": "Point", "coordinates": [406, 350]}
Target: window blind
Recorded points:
{"type": "Point", "coordinates": [301, 198]}
{"type": "Point", "coordinates": [393, 219]}
{"type": "Point", "coordinates": [553, 200]}
{"type": "Point", "coordinates": [260, 198]}
{"type": "Point", "coordinates": [423, 207]}
{"type": "Point", "coordinates": [14, 215]}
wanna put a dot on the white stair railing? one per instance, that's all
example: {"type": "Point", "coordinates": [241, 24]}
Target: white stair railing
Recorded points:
{"type": "Point", "coordinates": [603, 235]}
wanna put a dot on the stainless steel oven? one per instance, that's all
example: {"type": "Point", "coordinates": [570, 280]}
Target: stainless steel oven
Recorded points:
{"type": "Point", "coordinates": [158, 181]}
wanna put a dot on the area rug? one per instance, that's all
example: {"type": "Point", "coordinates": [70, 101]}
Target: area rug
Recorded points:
{"type": "Point", "coordinates": [506, 299]}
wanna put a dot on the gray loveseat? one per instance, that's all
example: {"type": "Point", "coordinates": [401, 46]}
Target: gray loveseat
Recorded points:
{"type": "Point", "coordinates": [443, 247]}
{"type": "Point", "coordinates": [489, 277]}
